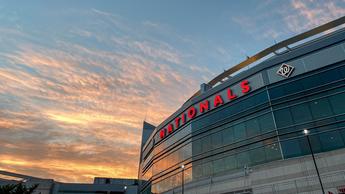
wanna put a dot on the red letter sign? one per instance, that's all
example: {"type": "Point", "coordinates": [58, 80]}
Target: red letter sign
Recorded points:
{"type": "Point", "coordinates": [204, 106]}
{"type": "Point", "coordinates": [177, 122]}
{"type": "Point", "coordinates": [191, 112]}
{"type": "Point", "coordinates": [231, 95]}
{"type": "Point", "coordinates": [218, 101]}
{"type": "Point", "coordinates": [170, 128]}
{"type": "Point", "coordinates": [183, 116]}
{"type": "Point", "coordinates": [245, 86]}
{"type": "Point", "coordinates": [162, 133]}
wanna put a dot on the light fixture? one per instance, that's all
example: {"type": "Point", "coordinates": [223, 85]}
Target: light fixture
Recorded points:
{"type": "Point", "coordinates": [306, 131]}
{"type": "Point", "coordinates": [182, 166]}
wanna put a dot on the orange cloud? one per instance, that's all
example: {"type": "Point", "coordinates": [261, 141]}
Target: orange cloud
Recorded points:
{"type": "Point", "coordinates": [71, 111]}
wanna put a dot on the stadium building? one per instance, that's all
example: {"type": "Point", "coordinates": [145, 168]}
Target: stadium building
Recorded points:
{"type": "Point", "coordinates": [274, 123]}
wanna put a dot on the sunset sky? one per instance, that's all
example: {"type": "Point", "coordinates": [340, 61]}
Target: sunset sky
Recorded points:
{"type": "Point", "coordinates": [77, 78]}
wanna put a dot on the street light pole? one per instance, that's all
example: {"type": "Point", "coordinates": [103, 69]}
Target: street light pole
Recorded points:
{"type": "Point", "coordinates": [182, 178]}
{"type": "Point", "coordinates": [306, 133]}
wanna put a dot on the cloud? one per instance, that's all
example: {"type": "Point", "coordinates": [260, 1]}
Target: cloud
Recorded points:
{"type": "Point", "coordinates": [277, 21]}
{"type": "Point", "coordinates": [72, 105]}
{"type": "Point", "coordinates": [305, 15]}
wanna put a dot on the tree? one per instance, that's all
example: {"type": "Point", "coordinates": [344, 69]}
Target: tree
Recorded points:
{"type": "Point", "coordinates": [19, 188]}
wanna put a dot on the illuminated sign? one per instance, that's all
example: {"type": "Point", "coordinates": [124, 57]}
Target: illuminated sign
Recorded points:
{"type": "Point", "coordinates": [204, 106]}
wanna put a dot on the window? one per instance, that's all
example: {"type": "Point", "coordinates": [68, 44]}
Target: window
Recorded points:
{"type": "Point", "coordinates": [291, 148]}
{"type": "Point", "coordinates": [293, 87]}
{"type": "Point", "coordinates": [342, 71]}
{"type": "Point", "coordinates": [243, 159]}
{"type": "Point", "coordinates": [272, 151]}
{"type": "Point", "coordinates": [257, 155]}
{"type": "Point", "coordinates": [337, 102]}
{"type": "Point", "coordinates": [197, 171]}
{"type": "Point", "coordinates": [311, 81]}
{"type": "Point", "coordinates": [320, 108]}
{"type": "Point", "coordinates": [197, 147]}
{"type": "Point", "coordinates": [239, 131]}
{"type": "Point", "coordinates": [283, 118]}
{"type": "Point", "coordinates": [315, 144]}
{"type": "Point", "coordinates": [301, 113]}
{"type": "Point", "coordinates": [330, 76]}
{"type": "Point", "coordinates": [186, 151]}
{"type": "Point", "coordinates": [331, 140]}
{"type": "Point", "coordinates": [276, 92]}
{"type": "Point", "coordinates": [342, 132]}
{"type": "Point", "coordinates": [266, 122]}
{"type": "Point", "coordinates": [230, 162]}
{"type": "Point", "coordinates": [252, 127]}
{"type": "Point", "coordinates": [207, 169]}
{"type": "Point", "coordinates": [228, 136]}
{"type": "Point", "coordinates": [218, 166]}
{"type": "Point", "coordinates": [206, 143]}
{"type": "Point", "coordinates": [188, 175]}
{"type": "Point", "coordinates": [216, 140]}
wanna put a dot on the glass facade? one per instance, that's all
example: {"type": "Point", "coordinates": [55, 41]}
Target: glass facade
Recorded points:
{"type": "Point", "coordinates": [262, 126]}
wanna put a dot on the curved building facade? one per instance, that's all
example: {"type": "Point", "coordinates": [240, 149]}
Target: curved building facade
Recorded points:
{"type": "Point", "coordinates": [278, 127]}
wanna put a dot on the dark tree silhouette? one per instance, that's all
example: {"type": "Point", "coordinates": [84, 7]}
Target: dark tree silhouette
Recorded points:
{"type": "Point", "coordinates": [19, 188]}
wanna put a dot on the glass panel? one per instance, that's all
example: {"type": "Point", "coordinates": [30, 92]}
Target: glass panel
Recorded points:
{"type": "Point", "coordinates": [337, 102]}
{"type": "Point", "coordinates": [218, 166]}
{"type": "Point", "coordinates": [324, 124]}
{"type": "Point", "coordinates": [283, 118]}
{"type": "Point", "coordinates": [188, 175]}
{"type": "Point", "coordinates": [289, 132]}
{"type": "Point", "coordinates": [320, 108]}
{"type": "Point", "coordinates": [301, 113]}
{"type": "Point", "coordinates": [293, 87]}
{"type": "Point", "coordinates": [252, 127]}
{"type": "Point", "coordinates": [239, 131]}
{"type": "Point", "coordinates": [216, 140]}
{"type": "Point", "coordinates": [197, 171]}
{"type": "Point", "coordinates": [207, 169]}
{"type": "Point", "coordinates": [257, 155]}
{"type": "Point", "coordinates": [230, 162]}
{"type": "Point", "coordinates": [311, 81]}
{"type": "Point", "coordinates": [266, 122]}
{"type": "Point", "coordinates": [272, 151]}
{"type": "Point", "coordinates": [176, 180]}
{"type": "Point", "coordinates": [185, 152]}
{"type": "Point", "coordinates": [342, 132]}
{"type": "Point", "coordinates": [243, 159]}
{"type": "Point", "coordinates": [303, 144]}
{"type": "Point", "coordinates": [315, 144]}
{"type": "Point", "coordinates": [197, 147]}
{"type": "Point", "coordinates": [330, 76]}
{"type": "Point", "coordinates": [291, 148]}
{"type": "Point", "coordinates": [260, 98]}
{"type": "Point", "coordinates": [342, 71]}
{"type": "Point", "coordinates": [276, 92]}
{"type": "Point", "coordinates": [228, 136]}
{"type": "Point", "coordinates": [331, 140]}
{"type": "Point", "coordinates": [206, 143]}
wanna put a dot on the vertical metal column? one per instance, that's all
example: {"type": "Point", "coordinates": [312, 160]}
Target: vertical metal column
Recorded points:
{"type": "Point", "coordinates": [306, 133]}
{"type": "Point", "coordinates": [182, 184]}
